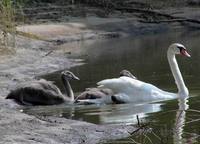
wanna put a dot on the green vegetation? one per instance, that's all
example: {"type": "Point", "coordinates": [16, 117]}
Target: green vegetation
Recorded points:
{"type": "Point", "coordinates": [8, 10]}
{"type": "Point", "coordinates": [7, 23]}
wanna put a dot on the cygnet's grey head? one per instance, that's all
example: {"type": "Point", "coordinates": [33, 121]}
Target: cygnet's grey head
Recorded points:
{"type": "Point", "coordinates": [127, 73]}
{"type": "Point", "coordinates": [69, 75]}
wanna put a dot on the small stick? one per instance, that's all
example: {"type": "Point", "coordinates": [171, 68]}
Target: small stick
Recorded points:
{"type": "Point", "coordinates": [48, 53]}
{"type": "Point", "coordinates": [138, 120]}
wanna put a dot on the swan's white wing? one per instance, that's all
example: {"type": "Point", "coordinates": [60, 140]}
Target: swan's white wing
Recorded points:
{"type": "Point", "coordinates": [122, 84]}
{"type": "Point", "coordinates": [128, 89]}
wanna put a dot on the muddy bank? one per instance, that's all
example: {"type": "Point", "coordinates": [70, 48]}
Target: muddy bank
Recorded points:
{"type": "Point", "coordinates": [51, 49]}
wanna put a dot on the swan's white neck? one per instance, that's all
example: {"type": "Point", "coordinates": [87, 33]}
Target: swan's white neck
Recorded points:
{"type": "Point", "coordinates": [182, 89]}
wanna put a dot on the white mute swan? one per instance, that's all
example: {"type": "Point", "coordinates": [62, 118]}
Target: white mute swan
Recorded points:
{"type": "Point", "coordinates": [132, 90]}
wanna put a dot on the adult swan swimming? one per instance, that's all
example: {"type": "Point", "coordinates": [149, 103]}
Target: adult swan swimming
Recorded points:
{"type": "Point", "coordinates": [132, 90]}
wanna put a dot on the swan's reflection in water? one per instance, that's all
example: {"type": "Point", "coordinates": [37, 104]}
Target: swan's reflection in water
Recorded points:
{"type": "Point", "coordinates": [127, 113]}
{"type": "Point", "coordinates": [180, 121]}
{"type": "Point", "coordinates": [102, 114]}
{"type": "Point", "coordinates": [105, 114]}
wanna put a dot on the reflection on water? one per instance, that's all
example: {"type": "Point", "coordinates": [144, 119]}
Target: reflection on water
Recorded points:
{"type": "Point", "coordinates": [180, 121]}
{"type": "Point", "coordinates": [128, 113]}
{"type": "Point", "coordinates": [146, 58]}
{"type": "Point", "coordinates": [104, 114]}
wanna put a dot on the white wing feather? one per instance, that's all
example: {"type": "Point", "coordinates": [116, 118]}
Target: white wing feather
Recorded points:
{"type": "Point", "coordinates": [136, 90]}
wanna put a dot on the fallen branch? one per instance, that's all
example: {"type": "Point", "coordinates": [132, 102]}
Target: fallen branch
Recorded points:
{"type": "Point", "coordinates": [153, 12]}
{"type": "Point", "coordinates": [163, 21]}
{"type": "Point", "coordinates": [172, 20]}
{"type": "Point", "coordinates": [148, 11]}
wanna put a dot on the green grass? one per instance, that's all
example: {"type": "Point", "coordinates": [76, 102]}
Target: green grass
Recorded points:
{"type": "Point", "coordinates": [7, 23]}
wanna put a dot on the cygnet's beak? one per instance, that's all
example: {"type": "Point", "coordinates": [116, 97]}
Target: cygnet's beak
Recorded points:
{"type": "Point", "coordinates": [76, 78]}
{"type": "Point", "coordinates": [185, 53]}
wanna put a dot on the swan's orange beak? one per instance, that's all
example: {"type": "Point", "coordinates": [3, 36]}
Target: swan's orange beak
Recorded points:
{"type": "Point", "coordinates": [185, 53]}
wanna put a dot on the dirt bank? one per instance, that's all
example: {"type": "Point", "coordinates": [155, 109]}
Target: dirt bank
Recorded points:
{"type": "Point", "coordinates": [50, 49]}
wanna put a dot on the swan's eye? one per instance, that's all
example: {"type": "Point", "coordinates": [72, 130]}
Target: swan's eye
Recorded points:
{"type": "Point", "coordinates": [180, 48]}
{"type": "Point", "coordinates": [183, 51]}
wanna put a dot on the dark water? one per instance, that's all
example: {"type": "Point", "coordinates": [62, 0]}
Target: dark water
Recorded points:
{"type": "Point", "coordinates": [145, 57]}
